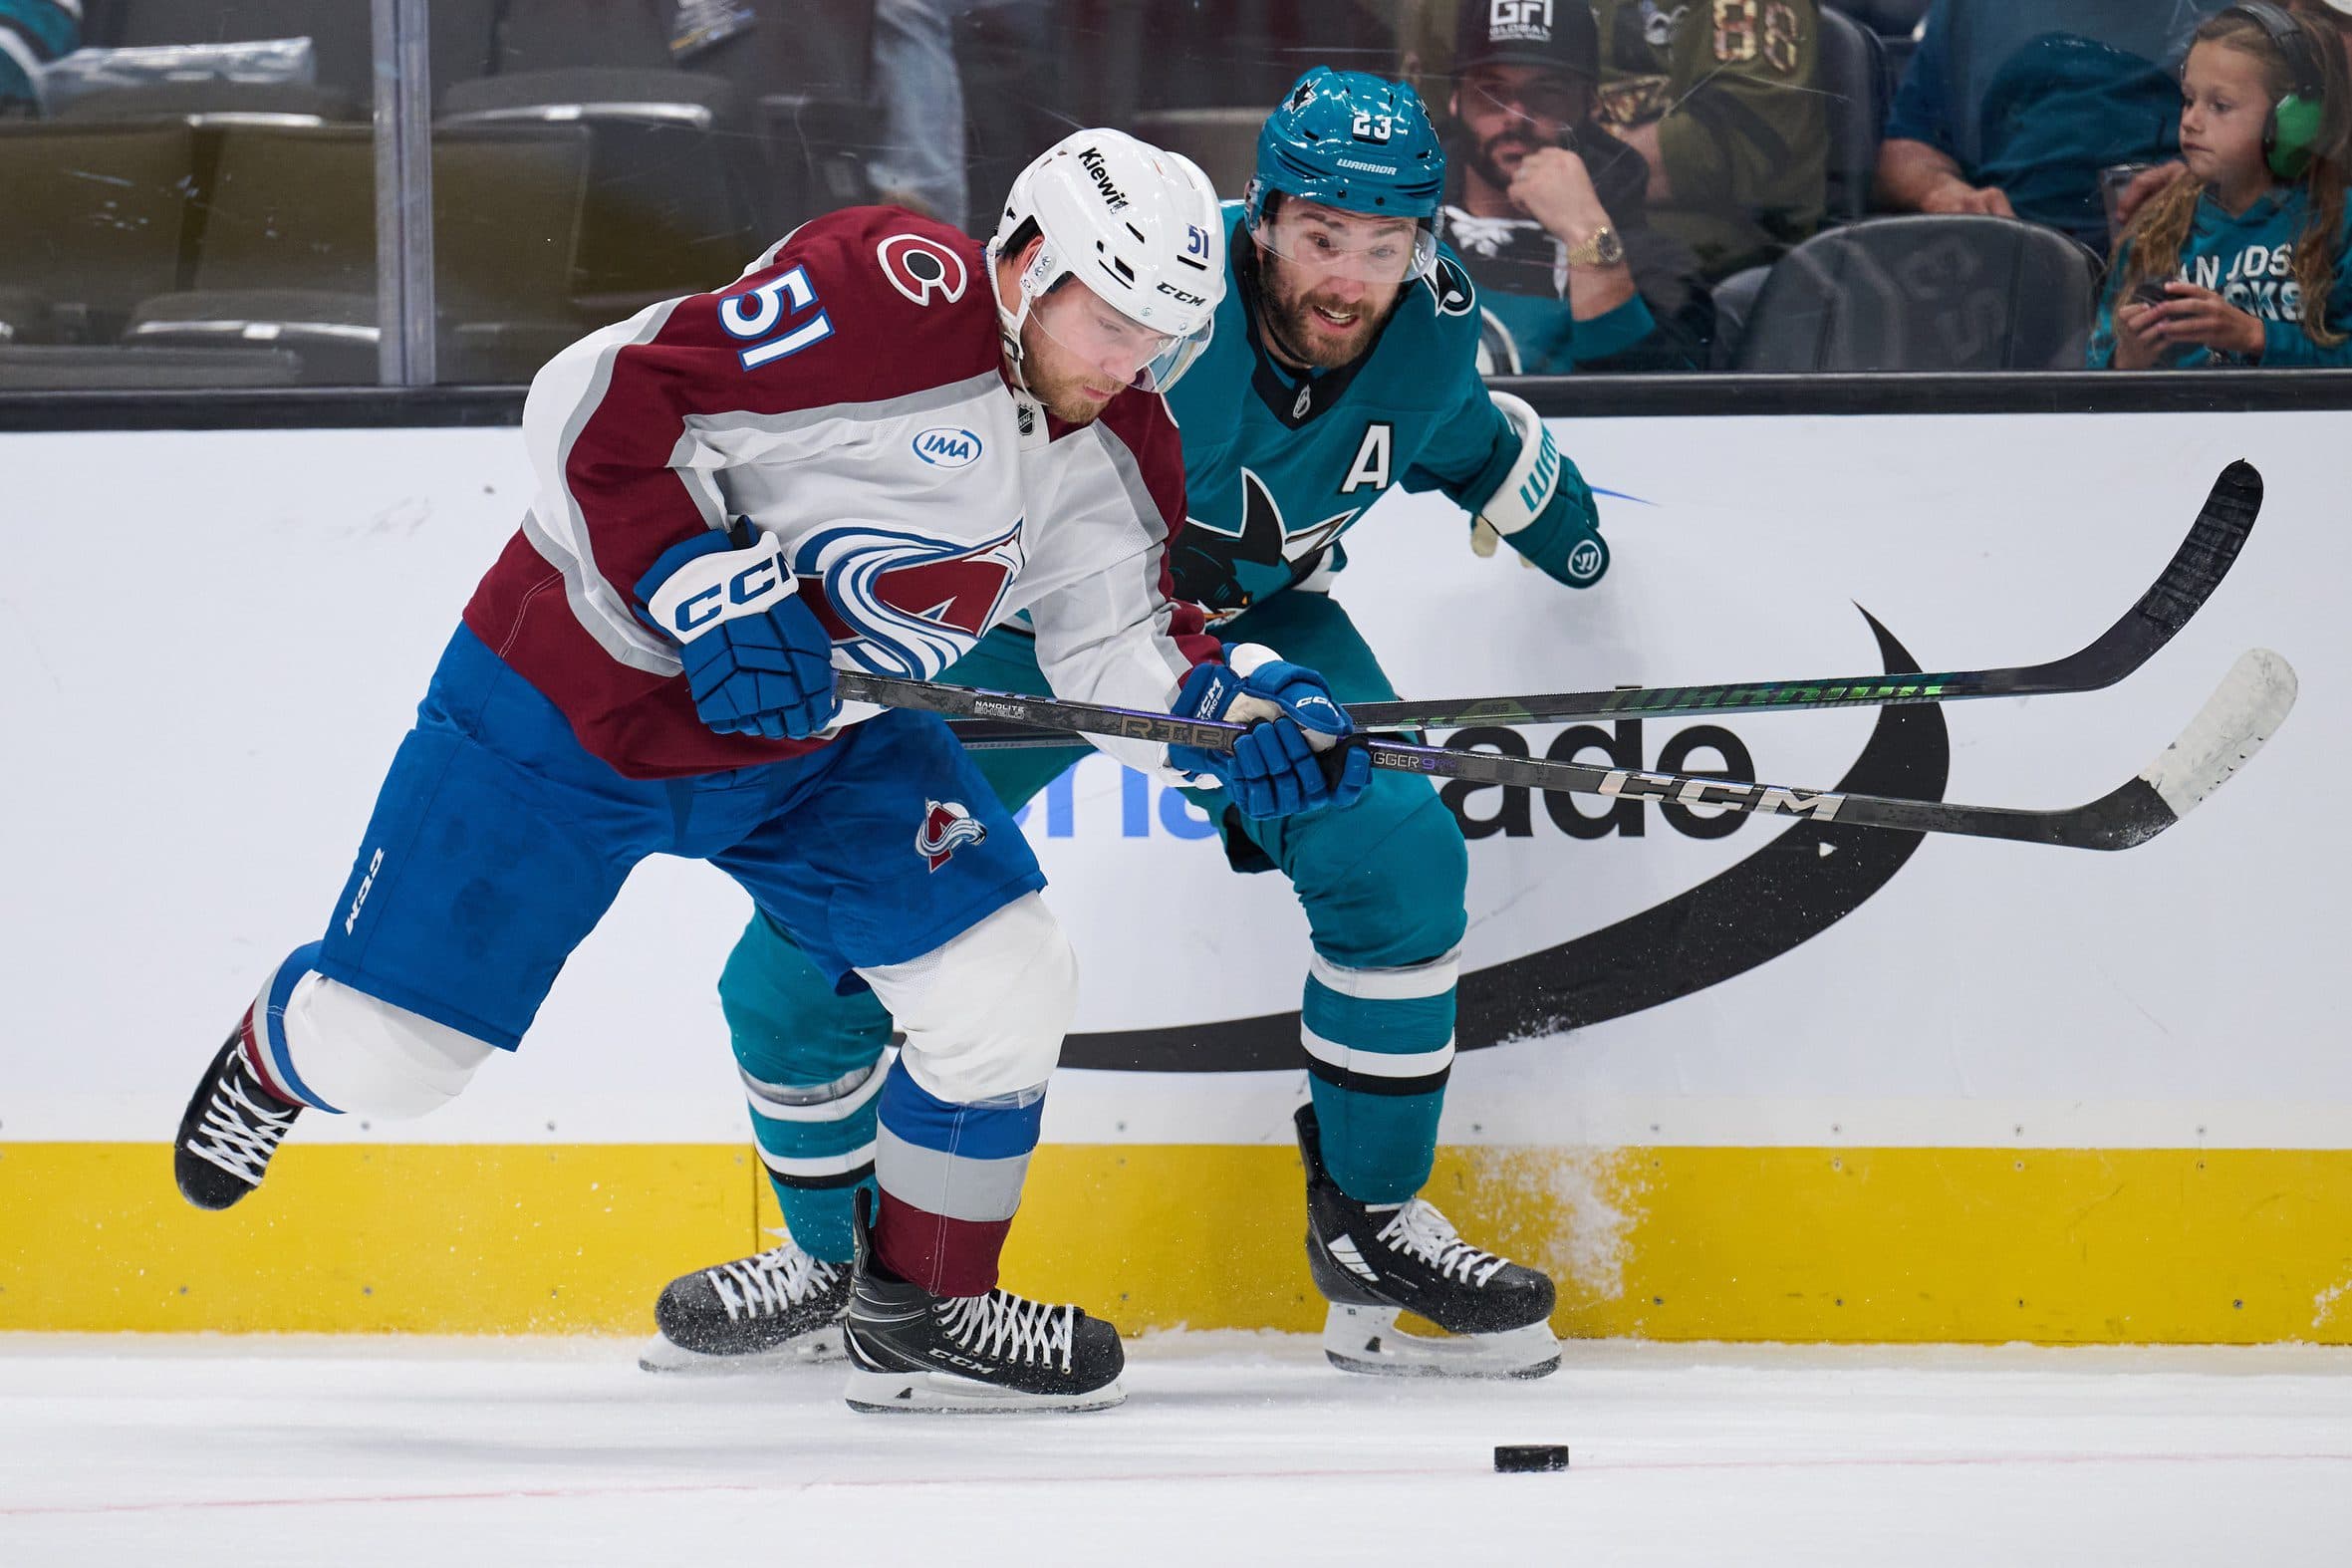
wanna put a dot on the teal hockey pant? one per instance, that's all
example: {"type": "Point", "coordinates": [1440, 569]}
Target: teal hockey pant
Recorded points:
{"type": "Point", "coordinates": [1382, 885]}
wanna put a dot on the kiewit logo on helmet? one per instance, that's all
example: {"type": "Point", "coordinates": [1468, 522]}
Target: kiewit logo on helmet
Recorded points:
{"type": "Point", "coordinates": [1112, 194]}
{"type": "Point", "coordinates": [1528, 20]}
{"type": "Point", "coordinates": [945, 826]}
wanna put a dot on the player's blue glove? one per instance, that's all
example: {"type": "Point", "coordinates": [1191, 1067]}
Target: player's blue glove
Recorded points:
{"type": "Point", "coordinates": [757, 659]}
{"type": "Point", "coordinates": [1293, 757]}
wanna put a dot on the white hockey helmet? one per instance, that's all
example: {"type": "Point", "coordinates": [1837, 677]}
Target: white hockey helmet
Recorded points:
{"type": "Point", "coordinates": [1136, 225]}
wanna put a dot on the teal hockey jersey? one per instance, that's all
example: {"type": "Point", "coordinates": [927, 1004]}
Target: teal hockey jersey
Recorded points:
{"type": "Point", "coordinates": [1279, 464]}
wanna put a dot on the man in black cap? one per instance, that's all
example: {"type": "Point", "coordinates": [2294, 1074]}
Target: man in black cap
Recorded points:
{"type": "Point", "coordinates": [1546, 208]}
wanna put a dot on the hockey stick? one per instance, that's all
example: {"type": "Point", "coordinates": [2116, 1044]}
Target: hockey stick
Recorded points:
{"type": "Point", "coordinates": [2180, 591]}
{"type": "Point", "coordinates": [2235, 720]}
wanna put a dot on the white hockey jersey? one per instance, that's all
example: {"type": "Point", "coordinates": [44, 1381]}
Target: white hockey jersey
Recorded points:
{"type": "Point", "coordinates": [846, 396]}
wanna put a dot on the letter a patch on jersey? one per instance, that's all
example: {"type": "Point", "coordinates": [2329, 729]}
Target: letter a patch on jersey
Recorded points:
{"type": "Point", "coordinates": [1373, 459]}
{"type": "Point", "coordinates": [945, 826]}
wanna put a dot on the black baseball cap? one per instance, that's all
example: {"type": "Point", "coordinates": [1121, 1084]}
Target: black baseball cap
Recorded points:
{"type": "Point", "coordinates": [1560, 34]}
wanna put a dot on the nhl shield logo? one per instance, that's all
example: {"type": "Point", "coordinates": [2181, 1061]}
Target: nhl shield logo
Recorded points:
{"type": "Point", "coordinates": [945, 826]}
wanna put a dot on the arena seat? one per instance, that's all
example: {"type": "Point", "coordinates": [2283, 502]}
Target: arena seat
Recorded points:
{"type": "Point", "coordinates": [668, 203]}
{"type": "Point", "coordinates": [1924, 291]}
{"type": "Point", "coordinates": [1852, 73]}
{"type": "Point", "coordinates": [93, 368]}
{"type": "Point", "coordinates": [342, 41]}
{"type": "Point", "coordinates": [97, 220]}
{"type": "Point", "coordinates": [286, 255]}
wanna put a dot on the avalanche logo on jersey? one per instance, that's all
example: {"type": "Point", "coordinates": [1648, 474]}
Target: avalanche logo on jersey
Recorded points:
{"type": "Point", "coordinates": [1209, 559]}
{"type": "Point", "coordinates": [945, 826]}
{"type": "Point", "coordinates": [920, 266]}
{"type": "Point", "coordinates": [901, 604]}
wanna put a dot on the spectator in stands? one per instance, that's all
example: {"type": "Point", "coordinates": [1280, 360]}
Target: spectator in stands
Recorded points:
{"type": "Point", "coordinates": [1546, 209]}
{"type": "Point", "coordinates": [33, 32]}
{"type": "Point", "coordinates": [920, 163]}
{"type": "Point", "coordinates": [2336, 14]}
{"type": "Point", "coordinates": [2246, 258]}
{"type": "Point", "coordinates": [1718, 99]}
{"type": "Point", "coordinates": [2012, 110]}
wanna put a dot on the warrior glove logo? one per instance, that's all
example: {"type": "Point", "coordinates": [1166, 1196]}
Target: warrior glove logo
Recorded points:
{"type": "Point", "coordinates": [945, 826]}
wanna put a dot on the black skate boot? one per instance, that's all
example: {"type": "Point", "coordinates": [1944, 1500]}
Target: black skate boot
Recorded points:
{"type": "Point", "coordinates": [1374, 1260]}
{"type": "Point", "coordinates": [780, 1307]}
{"type": "Point", "coordinates": [232, 1127]}
{"type": "Point", "coordinates": [912, 1351]}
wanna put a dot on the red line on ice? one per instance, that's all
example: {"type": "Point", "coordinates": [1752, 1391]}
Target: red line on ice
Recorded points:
{"type": "Point", "coordinates": [1924, 1462]}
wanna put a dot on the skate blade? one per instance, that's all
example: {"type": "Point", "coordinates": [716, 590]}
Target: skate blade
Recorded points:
{"type": "Point", "coordinates": [812, 1349]}
{"type": "Point", "coordinates": [1367, 1340]}
{"type": "Point", "coordinates": [943, 1394]}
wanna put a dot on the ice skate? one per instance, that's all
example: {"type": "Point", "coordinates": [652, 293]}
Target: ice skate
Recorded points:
{"type": "Point", "coordinates": [778, 1308]}
{"type": "Point", "coordinates": [232, 1126]}
{"type": "Point", "coordinates": [1372, 1261]}
{"type": "Point", "coordinates": [912, 1351]}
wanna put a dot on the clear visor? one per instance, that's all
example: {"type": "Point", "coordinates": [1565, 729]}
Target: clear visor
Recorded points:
{"type": "Point", "coordinates": [1353, 245]}
{"type": "Point", "coordinates": [1110, 344]}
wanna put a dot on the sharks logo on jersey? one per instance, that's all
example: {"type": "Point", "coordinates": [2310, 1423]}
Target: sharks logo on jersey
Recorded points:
{"type": "Point", "coordinates": [1224, 570]}
{"type": "Point", "coordinates": [902, 604]}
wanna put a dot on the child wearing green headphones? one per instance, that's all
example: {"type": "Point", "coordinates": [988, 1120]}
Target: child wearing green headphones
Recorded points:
{"type": "Point", "coordinates": [2246, 257]}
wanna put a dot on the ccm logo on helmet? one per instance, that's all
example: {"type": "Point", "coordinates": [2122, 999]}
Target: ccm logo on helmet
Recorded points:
{"type": "Point", "coordinates": [921, 268]}
{"type": "Point", "coordinates": [1181, 297]}
{"type": "Point", "coordinates": [1092, 160]}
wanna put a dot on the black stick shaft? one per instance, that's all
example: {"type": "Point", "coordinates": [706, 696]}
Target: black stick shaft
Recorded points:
{"type": "Point", "coordinates": [2197, 568]}
{"type": "Point", "coordinates": [2125, 816]}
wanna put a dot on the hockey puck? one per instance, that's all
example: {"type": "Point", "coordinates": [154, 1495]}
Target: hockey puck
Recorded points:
{"type": "Point", "coordinates": [1516, 1458]}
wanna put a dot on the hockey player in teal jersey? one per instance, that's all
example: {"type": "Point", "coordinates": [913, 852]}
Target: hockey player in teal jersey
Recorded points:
{"type": "Point", "coordinates": [1342, 364]}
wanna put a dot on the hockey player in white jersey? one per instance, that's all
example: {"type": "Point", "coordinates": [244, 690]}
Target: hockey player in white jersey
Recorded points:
{"type": "Point", "coordinates": [865, 451]}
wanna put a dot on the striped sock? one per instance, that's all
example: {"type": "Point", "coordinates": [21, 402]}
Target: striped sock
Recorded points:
{"type": "Point", "coordinates": [817, 1141]}
{"type": "Point", "coordinates": [1380, 1046]}
{"type": "Point", "coordinates": [951, 1178]}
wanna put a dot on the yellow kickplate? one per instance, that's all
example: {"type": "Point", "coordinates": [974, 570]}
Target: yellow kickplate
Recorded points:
{"type": "Point", "coordinates": [1797, 1244]}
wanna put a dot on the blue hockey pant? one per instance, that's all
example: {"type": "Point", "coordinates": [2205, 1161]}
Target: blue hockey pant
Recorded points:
{"type": "Point", "coordinates": [1382, 883]}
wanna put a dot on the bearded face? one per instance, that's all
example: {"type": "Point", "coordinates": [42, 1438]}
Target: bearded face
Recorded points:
{"type": "Point", "coordinates": [1328, 280]}
{"type": "Point", "coordinates": [1072, 391]}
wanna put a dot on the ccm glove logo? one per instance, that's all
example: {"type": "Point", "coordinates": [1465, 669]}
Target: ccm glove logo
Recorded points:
{"type": "Point", "coordinates": [719, 585]}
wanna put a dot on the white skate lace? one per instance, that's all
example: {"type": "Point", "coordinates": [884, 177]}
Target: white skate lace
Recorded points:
{"type": "Point", "coordinates": [238, 1133]}
{"type": "Point", "coordinates": [1416, 1227]}
{"type": "Point", "coordinates": [1010, 1327]}
{"type": "Point", "coordinates": [774, 1281]}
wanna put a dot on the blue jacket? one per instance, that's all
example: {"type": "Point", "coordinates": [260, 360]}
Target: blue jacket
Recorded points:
{"type": "Point", "coordinates": [33, 32]}
{"type": "Point", "coordinates": [2035, 97]}
{"type": "Point", "coordinates": [2249, 261]}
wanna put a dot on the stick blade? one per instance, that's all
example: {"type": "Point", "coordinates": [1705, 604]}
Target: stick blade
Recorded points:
{"type": "Point", "coordinates": [2206, 555]}
{"type": "Point", "coordinates": [2243, 713]}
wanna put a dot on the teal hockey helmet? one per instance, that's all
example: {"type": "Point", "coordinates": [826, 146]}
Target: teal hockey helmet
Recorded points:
{"type": "Point", "coordinates": [1355, 142]}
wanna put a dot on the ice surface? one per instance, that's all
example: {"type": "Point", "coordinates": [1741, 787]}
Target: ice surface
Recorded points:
{"type": "Point", "coordinates": [1231, 1448]}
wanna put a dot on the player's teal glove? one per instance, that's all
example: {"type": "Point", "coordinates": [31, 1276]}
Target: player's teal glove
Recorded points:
{"type": "Point", "coordinates": [757, 660]}
{"type": "Point", "coordinates": [1294, 757]}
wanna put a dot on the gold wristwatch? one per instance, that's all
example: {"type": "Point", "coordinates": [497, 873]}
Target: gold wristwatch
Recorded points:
{"type": "Point", "coordinates": [1604, 249]}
